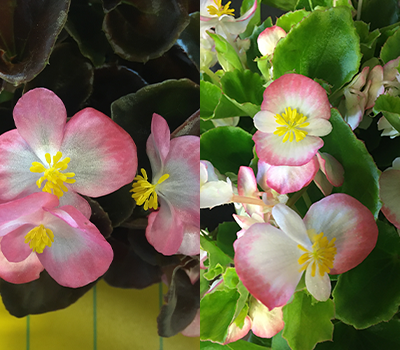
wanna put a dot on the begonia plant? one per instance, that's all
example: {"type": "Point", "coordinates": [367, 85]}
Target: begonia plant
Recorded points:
{"type": "Point", "coordinates": [303, 215]}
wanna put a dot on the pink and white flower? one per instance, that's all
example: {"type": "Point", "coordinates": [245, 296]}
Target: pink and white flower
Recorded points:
{"type": "Point", "coordinates": [99, 154]}
{"type": "Point", "coordinates": [294, 114]}
{"type": "Point", "coordinates": [268, 39]}
{"type": "Point", "coordinates": [175, 227]}
{"type": "Point", "coordinates": [336, 235]}
{"type": "Point", "coordinates": [323, 168]}
{"type": "Point", "coordinates": [389, 192]}
{"type": "Point", "coordinates": [37, 234]}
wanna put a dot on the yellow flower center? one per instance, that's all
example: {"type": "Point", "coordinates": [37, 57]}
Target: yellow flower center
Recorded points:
{"type": "Point", "coordinates": [53, 174]}
{"type": "Point", "coordinates": [220, 9]}
{"type": "Point", "coordinates": [291, 122]}
{"type": "Point", "coordinates": [322, 255]}
{"type": "Point", "coordinates": [145, 192]}
{"type": "Point", "coordinates": [38, 238]}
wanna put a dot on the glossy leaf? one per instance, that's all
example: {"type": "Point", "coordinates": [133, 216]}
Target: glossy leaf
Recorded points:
{"type": "Point", "coordinates": [323, 45]}
{"type": "Point", "coordinates": [286, 5]}
{"type": "Point", "coordinates": [227, 55]}
{"type": "Point", "coordinates": [380, 13]}
{"type": "Point", "coordinates": [288, 20]}
{"type": "Point", "coordinates": [189, 39]}
{"type": "Point", "coordinates": [69, 75]}
{"type": "Point", "coordinates": [142, 30]}
{"type": "Point", "coordinates": [29, 30]}
{"type": "Point", "coordinates": [370, 293]}
{"type": "Point", "coordinates": [360, 172]}
{"type": "Point", "coordinates": [307, 322]}
{"type": "Point", "coordinates": [100, 218]}
{"type": "Point", "coordinates": [390, 108]}
{"type": "Point", "coordinates": [39, 296]}
{"type": "Point", "coordinates": [227, 234]}
{"type": "Point", "coordinates": [84, 24]}
{"type": "Point", "coordinates": [391, 49]}
{"type": "Point", "coordinates": [235, 148]}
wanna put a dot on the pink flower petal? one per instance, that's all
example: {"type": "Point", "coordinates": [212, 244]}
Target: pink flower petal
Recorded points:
{"type": "Point", "coordinates": [266, 262]}
{"type": "Point", "coordinates": [164, 229]}
{"type": "Point", "coordinates": [16, 180]}
{"type": "Point", "coordinates": [272, 150]}
{"type": "Point", "coordinates": [297, 92]}
{"type": "Point", "coordinates": [376, 89]}
{"type": "Point", "coordinates": [158, 144]}
{"type": "Point", "coordinates": [193, 330]}
{"type": "Point", "coordinates": [247, 186]}
{"type": "Point", "coordinates": [235, 333]}
{"type": "Point", "coordinates": [40, 118]}
{"type": "Point", "coordinates": [332, 169]}
{"type": "Point", "coordinates": [77, 201]}
{"type": "Point", "coordinates": [13, 246]}
{"type": "Point", "coordinates": [191, 240]}
{"type": "Point", "coordinates": [103, 155]}
{"type": "Point", "coordinates": [79, 254]}
{"type": "Point", "coordinates": [342, 217]}
{"type": "Point", "coordinates": [238, 25]}
{"type": "Point", "coordinates": [265, 323]}
{"type": "Point", "coordinates": [22, 272]}
{"type": "Point", "coordinates": [390, 195]}
{"type": "Point", "coordinates": [288, 179]}
{"type": "Point", "coordinates": [322, 183]}
{"type": "Point", "coordinates": [268, 39]}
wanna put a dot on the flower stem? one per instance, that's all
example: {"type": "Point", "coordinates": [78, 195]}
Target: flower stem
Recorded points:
{"type": "Point", "coordinates": [249, 200]}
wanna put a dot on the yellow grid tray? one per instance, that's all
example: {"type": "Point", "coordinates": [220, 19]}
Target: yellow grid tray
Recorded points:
{"type": "Point", "coordinates": [120, 319]}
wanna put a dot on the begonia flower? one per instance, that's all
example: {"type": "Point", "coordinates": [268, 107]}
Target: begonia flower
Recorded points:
{"type": "Point", "coordinates": [37, 233]}
{"type": "Point", "coordinates": [323, 168]}
{"type": "Point", "coordinates": [268, 39]}
{"type": "Point", "coordinates": [90, 155]}
{"type": "Point", "coordinates": [389, 192]}
{"type": "Point", "coordinates": [387, 128]}
{"type": "Point", "coordinates": [294, 114]}
{"type": "Point", "coordinates": [175, 227]}
{"type": "Point", "coordinates": [220, 17]}
{"type": "Point", "coordinates": [213, 191]}
{"type": "Point", "coordinates": [336, 235]}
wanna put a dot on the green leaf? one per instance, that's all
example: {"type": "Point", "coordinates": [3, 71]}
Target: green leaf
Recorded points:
{"type": "Point", "coordinates": [391, 49]}
{"type": "Point", "coordinates": [360, 172]}
{"type": "Point", "coordinates": [227, 56]}
{"type": "Point", "coordinates": [243, 86]}
{"type": "Point", "coordinates": [237, 345]}
{"type": "Point", "coordinates": [286, 5]}
{"type": "Point", "coordinates": [235, 148]}
{"type": "Point", "coordinates": [215, 104]}
{"type": "Point", "coordinates": [217, 311]}
{"type": "Point", "coordinates": [323, 45]}
{"type": "Point", "coordinates": [142, 30]}
{"type": "Point", "coordinates": [217, 259]}
{"type": "Point", "coordinates": [390, 108]}
{"type": "Point", "coordinates": [370, 293]}
{"type": "Point", "coordinates": [367, 40]}
{"type": "Point", "coordinates": [227, 234]}
{"type": "Point", "coordinates": [189, 39]}
{"type": "Point", "coordinates": [379, 13]}
{"type": "Point", "coordinates": [279, 343]}
{"type": "Point", "coordinates": [307, 324]}
{"type": "Point", "coordinates": [255, 19]}
{"type": "Point", "coordinates": [25, 51]}
{"type": "Point", "coordinates": [231, 278]}
{"type": "Point", "coordinates": [288, 20]}
{"type": "Point", "coordinates": [382, 336]}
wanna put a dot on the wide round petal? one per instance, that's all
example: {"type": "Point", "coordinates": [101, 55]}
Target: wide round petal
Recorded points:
{"type": "Point", "coordinates": [40, 118]}
{"type": "Point", "coordinates": [193, 330]}
{"type": "Point", "coordinates": [332, 169]}
{"type": "Point", "coordinates": [164, 229]}
{"type": "Point", "coordinates": [77, 201]}
{"type": "Point", "coordinates": [265, 323]}
{"type": "Point", "coordinates": [16, 180]}
{"type": "Point", "coordinates": [288, 179]}
{"type": "Point", "coordinates": [266, 261]}
{"type": "Point", "coordinates": [191, 240]}
{"type": "Point", "coordinates": [291, 223]}
{"type": "Point", "coordinates": [272, 150]}
{"type": "Point", "coordinates": [268, 39]}
{"type": "Point", "coordinates": [22, 272]}
{"type": "Point", "coordinates": [318, 286]}
{"type": "Point", "coordinates": [235, 332]}
{"type": "Point", "coordinates": [13, 246]}
{"type": "Point", "coordinates": [390, 195]}
{"type": "Point", "coordinates": [215, 193]}
{"type": "Point", "coordinates": [297, 92]}
{"type": "Point", "coordinates": [158, 144]}
{"type": "Point", "coordinates": [20, 211]}
{"type": "Point", "coordinates": [181, 189]}
{"type": "Point", "coordinates": [103, 155]}
{"type": "Point", "coordinates": [79, 254]}
{"type": "Point", "coordinates": [343, 217]}
{"type": "Point", "coordinates": [238, 25]}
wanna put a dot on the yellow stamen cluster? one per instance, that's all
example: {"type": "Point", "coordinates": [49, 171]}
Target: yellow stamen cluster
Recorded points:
{"type": "Point", "coordinates": [220, 9]}
{"type": "Point", "coordinates": [145, 192]}
{"type": "Point", "coordinates": [291, 122]}
{"type": "Point", "coordinates": [55, 178]}
{"type": "Point", "coordinates": [322, 255]}
{"type": "Point", "coordinates": [38, 238]}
